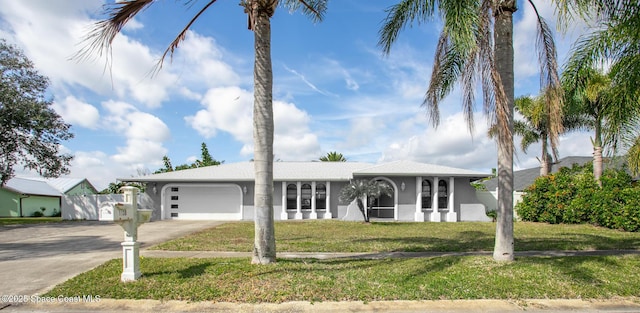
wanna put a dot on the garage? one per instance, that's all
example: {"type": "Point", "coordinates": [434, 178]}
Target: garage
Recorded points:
{"type": "Point", "coordinates": [222, 202]}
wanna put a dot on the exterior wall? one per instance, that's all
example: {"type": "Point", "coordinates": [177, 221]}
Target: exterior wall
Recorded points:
{"type": "Point", "coordinates": [490, 199]}
{"type": "Point", "coordinates": [83, 188]}
{"type": "Point", "coordinates": [36, 203]}
{"type": "Point", "coordinates": [9, 203]}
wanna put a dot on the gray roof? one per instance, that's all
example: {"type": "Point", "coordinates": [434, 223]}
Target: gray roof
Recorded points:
{"type": "Point", "coordinates": [524, 178]}
{"type": "Point", "coordinates": [410, 168]}
{"type": "Point", "coordinates": [31, 187]}
{"type": "Point", "coordinates": [290, 171]}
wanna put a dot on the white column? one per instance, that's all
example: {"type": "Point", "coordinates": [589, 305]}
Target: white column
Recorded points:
{"type": "Point", "coordinates": [283, 214]}
{"type": "Point", "coordinates": [419, 215]}
{"type": "Point", "coordinates": [298, 215]}
{"type": "Point", "coordinates": [130, 261]}
{"type": "Point", "coordinates": [314, 214]}
{"type": "Point", "coordinates": [327, 199]}
{"type": "Point", "coordinates": [435, 216]}
{"type": "Point", "coordinates": [451, 215]}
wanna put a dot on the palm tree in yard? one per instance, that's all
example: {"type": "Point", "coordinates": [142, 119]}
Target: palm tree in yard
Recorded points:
{"type": "Point", "coordinates": [363, 189]}
{"type": "Point", "coordinates": [476, 43]}
{"type": "Point", "coordinates": [609, 98]}
{"type": "Point", "coordinates": [333, 156]}
{"type": "Point", "coordinates": [259, 15]}
{"type": "Point", "coordinates": [606, 108]}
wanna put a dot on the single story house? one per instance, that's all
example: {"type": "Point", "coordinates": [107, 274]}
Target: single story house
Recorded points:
{"type": "Point", "coordinates": [24, 196]}
{"type": "Point", "coordinates": [310, 190]}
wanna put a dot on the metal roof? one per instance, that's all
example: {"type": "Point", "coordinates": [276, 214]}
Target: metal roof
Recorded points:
{"type": "Point", "coordinates": [290, 171]}
{"type": "Point", "coordinates": [31, 187]}
{"type": "Point", "coordinates": [63, 184]}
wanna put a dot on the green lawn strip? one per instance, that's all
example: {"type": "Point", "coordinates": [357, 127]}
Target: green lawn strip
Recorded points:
{"type": "Point", "coordinates": [339, 236]}
{"type": "Point", "coordinates": [470, 277]}
{"type": "Point", "coordinates": [28, 220]}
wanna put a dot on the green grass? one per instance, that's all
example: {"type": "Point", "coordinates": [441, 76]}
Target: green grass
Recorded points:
{"type": "Point", "coordinates": [471, 277]}
{"type": "Point", "coordinates": [28, 220]}
{"type": "Point", "coordinates": [338, 236]}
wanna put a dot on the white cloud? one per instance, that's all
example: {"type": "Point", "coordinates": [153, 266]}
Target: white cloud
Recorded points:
{"type": "Point", "coordinates": [450, 144]}
{"type": "Point", "coordinates": [144, 133]}
{"type": "Point", "coordinates": [76, 112]}
{"type": "Point", "coordinates": [230, 109]}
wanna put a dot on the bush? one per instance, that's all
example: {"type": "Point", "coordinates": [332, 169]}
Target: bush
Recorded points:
{"type": "Point", "coordinates": [37, 214]}
{"type": "Point", "coordinates": [572, 196]}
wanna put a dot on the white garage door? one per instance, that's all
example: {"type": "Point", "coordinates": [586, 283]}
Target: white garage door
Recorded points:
{"type": "Point", "coordinates": [203, 202]}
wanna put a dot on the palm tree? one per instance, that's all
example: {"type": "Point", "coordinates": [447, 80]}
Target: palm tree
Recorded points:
{"type": "Point", "coordinates": [333, 156]}
{"type": "Point", "coordinates": [615, 42]}
{"type": "Point", "coordinates": [606, 107]}
{"type": "Point", "coordinates": [259, 15]}
{"type": "Point", "coordinates": [477, 40]}
{"type": "Point", "coordinates": [360, 189]}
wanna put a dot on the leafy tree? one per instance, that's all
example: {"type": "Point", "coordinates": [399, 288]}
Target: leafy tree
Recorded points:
{"type": "Point", "coordinates": [114, 188]}
{"type": "Point", "coordinates": [361, 189]}
{"type": "Point", "coordinates": [206, 160]}
{"type": "Point", "coordinates": [259, 14]}
{"type": "Point", "coordinates": [477, 42]}
{"type": "Point", "coordinates": [333, 156]}
{"type": "Point", "coordinates": [30, 130]}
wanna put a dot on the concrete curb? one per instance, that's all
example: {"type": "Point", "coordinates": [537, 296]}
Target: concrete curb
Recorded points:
{"type": "Point", "coordinates": [531, 305]}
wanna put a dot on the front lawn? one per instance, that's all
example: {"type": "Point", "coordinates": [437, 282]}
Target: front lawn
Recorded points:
{"type": "Point", "coordinates": [339, 236]}
{"type": "Point", "coordinates": [446, 277]}
{"type": "Point", "coordinates": [439, 278]}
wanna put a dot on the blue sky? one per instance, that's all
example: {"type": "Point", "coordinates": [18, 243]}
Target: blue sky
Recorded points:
{"type": "Point", "coordinates": [333, 88]}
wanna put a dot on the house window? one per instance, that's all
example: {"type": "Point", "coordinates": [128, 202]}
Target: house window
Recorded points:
{"type": "Point", "coordinates": [292, 194]}
{"type": "Point", "coordinates": [442, 195]}
{"type": "Point", "coordinates": [305, 193]}
{"type": "Point", "coordinates": [174, 206]}
{"type": "Point", "coordinates": [426, 194]}
{"type": "Point", "coordinates": [174, 189]}
{"type": "Point", "coordinates": [174, 197]}
{"type": "Point", "coordinates": [321, 197]}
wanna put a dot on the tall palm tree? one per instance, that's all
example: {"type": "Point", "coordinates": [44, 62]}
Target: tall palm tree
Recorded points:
{"type": "Point", "coordinates": [477, 41]}
{"type": "Point", "coordinates": [606, 107]}
{"type": "Point", "coordinates": [615, 42]}
{"type": "Point", "coordinates": [259, 15]}
{"type": "Point", "coordinates": [333, 156]}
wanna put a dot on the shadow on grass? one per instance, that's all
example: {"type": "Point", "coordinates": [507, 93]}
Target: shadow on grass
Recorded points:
{"type": "Point", "coordinates": [188, 272]}
{"type": "Point", "coordinates": [573, 269]}
{"type": "Point", "coordinates": [573, 241]}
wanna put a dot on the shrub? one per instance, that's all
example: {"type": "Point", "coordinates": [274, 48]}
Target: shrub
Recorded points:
{"type": "Point", "coordinates": [37, 214]}
{"type": "Point", "coordinates": [572, 196]}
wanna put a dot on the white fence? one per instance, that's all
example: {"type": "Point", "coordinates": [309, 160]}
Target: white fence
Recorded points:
{"type": "Point", "coordinates": [86, 207]}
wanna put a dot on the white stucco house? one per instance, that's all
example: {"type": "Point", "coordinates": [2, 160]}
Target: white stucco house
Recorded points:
{"type": "Point", "coordinates": [310, 190]}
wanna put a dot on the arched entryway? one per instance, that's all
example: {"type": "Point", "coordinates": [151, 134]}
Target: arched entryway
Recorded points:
{"type": "Point", "coordinates": [385, 207]}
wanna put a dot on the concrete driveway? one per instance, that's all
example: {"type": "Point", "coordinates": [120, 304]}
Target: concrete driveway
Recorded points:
{"type": "Point", "coordinates": [34, 258]}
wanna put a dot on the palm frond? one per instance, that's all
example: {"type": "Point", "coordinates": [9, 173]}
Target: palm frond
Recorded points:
{"type": "Point", "coordinates": [101, 36]}
{"type": "Point", "coordinates": [312, 8]}
{"type": "Point", "coordinates": [399, 16]}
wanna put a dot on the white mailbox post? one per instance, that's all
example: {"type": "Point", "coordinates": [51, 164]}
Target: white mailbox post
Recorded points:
{"type": "Point", "coordinates": [129, 217]}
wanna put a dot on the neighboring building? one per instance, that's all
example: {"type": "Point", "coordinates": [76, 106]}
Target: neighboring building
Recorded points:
{"type": "Point", "coordinates": [22, 196]}
{"type": "Point", "coordinates": [524, 178]}
{"type": "Point", "coordinates": [310, 190]}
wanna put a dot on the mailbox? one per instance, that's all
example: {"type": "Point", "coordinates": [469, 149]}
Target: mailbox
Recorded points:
{"type": "Point", "coordinates": [115, 212]}
{"type": "Point", "coordinates": [129, 217]}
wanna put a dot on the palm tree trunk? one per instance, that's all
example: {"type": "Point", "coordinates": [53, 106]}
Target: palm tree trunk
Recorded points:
{"type": "Point", "coordinates": [503, 40]}
{"type": "Point", "coordinates": [545, 164]}
{"type": "Point", "coordinates": [264, 251]}
{"type": "Point", "coordinates": [365, 216]}
{"type": "Point", "coordinates": [597, 154]}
